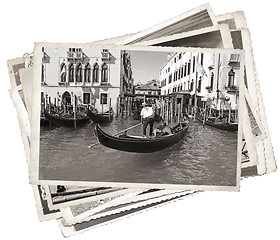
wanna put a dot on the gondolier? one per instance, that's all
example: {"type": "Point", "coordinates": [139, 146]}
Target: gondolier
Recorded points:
{"type": "Point", "coordinates": [147, 118]}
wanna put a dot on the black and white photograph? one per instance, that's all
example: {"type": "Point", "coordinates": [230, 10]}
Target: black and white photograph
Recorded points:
{"type": "Point", "coordinates": [144, 120]}
{"type": "Point", "coordinates": [122, 117]}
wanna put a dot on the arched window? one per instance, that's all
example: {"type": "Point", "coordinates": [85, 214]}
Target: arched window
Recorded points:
{"type": "Point", "coordinates": [66, 98]}
{"type": "Point", "coordinates": [62, 72]}
{"type": "Point", "coordinates": [71, 72]}
{"type": "Point", "coordinates": [193, 64]}
{"type": "Point", "coordinates": [185, 71]}
{"type": "Point", "coordinates": [231, 74]}
{"type": "Point", "coordinates": [79, 73]}
{"type": "Point", "coordinates": [87, 73]}
{"type": "Point", "coordinates": [199, 84]}
{"type": "Point", "coordinates": [104, 73]}
{"type": "Point", "coordinates": [189, 67]}
{"type": "Point", "coordinates": [95, 72]}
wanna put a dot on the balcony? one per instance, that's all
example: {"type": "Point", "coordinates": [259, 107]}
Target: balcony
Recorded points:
{"type": "Point", "coordinates": [63, 83]}
{"type": "Point", "coordinates": [104, 83]}
{"type": "Point", "coordinates": [232, 89]}
{"type": "Point", "coordinates": [75, 55]}
{"type": "Point", "coordinates": [105, 55]}
{"type": "Point", "coordinates": [209, 89]}
{"type": "Point", "coordinates": [234, 61]}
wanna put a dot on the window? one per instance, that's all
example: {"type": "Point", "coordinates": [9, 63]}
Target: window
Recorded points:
{"type": "Point", "coordinates": [193, 64]}
{"type": "Point", "coordinates": [87, 73]}
{"type": "Point", "coordinates": [170, 78]}
{"type": "Point", "coordinates": [189, 67]}
{"type": "Point", "coordinates": [180, 55]}
{"type": "Point", "coordinates": [191, 86]}
{"type": "Point", "coordinates": [86, 98]}
{"type": "Point", "coordinates": [103, 98]}
{"type": "Point", "coordinates": [71, 72]}
{"type": "Point", "coordinates": [201, 59]}
{"type": "Point", "coordinates": [62, 72]}
{"type": "Point", "coordinates": [231, 74]}
{"type": "Point", "coordinates": [79, 73]}
{"type": "Point", "coordinates": [104, 73]}
{"type": "Point", "coordinates": [182, 72]}
{"type": "Point", "coordinates": [179, 73]}
{"type": "Point", "coordinates": [95, 72]}
{"type": "Point", "coordinates": [185, 71]}
{"type": "Point", "coordinates": [199, 84]}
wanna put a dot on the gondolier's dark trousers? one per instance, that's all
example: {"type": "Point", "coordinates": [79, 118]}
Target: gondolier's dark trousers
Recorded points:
{"type": "Point", "coordinates": [146, 122]}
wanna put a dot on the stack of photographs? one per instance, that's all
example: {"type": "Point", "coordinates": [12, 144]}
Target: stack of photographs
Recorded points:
{"type": "Point", "coordinates": [95, 154]}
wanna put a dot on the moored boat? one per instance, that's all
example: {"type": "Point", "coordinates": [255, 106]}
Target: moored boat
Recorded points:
{"type": "Point", "coordinates": [100, 117]}
{"type": "Point", "coordinates": [231, 127]}
{"type": "Point", "coordinates": [138, 144]}
{"type": "Point", "coordinates": [66, 121]}
{"type": "Point", "coordinates": [43, 121]}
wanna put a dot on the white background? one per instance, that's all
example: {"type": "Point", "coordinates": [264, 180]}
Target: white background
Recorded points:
{"type": "Point", "coordinates": [252, 213]}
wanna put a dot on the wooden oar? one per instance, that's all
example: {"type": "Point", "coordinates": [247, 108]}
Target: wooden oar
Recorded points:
{"type": "Point", "coordinates": [117, 133]}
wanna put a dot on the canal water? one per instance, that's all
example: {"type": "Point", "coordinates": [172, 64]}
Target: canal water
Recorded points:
{"type": "Point", "coordinates": [206, 156]}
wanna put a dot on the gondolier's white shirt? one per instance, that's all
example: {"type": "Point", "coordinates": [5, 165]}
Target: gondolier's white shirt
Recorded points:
{"type": "Point", "coordinates": [147, 112]}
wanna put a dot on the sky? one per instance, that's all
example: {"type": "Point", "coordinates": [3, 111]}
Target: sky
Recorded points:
{"type": "Point", "coordinates": [146, 64]}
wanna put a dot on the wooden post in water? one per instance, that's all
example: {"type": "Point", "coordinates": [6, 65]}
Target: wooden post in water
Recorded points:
{"type": "Point", "coordinates": [178, 112]}
{"type": "Point", "coordinates": [102, 98]}
{"type": "Point", "coordinates": [125, 107]}
{"type": "Point", "coordinates": [49, 104]}
{"type": "Point", "coordinates": [171, 109]}
{"type": "Point", "coordinates": [128, 106]}
{"type": "Point", "coordinates": [229, 113]}
{"type": "Point", "coordinates": [118, 106]}
{"type": "Point", "coordinates": [74, 110]}
{"type": "Point", "coordinates": [55, 105]}
{"type": "Point", "coordinates": [167, 113]}
{"type": "Point", "coordinates": [204, 114]}
{"type": "Point", "coordinates": [110, 112]}
{"type": "Point", "coordinates": [222, 111]}
{"type": "Point", "coordinates": [161, 107]}
{"type": "Point", "coordinates": [46, 102]}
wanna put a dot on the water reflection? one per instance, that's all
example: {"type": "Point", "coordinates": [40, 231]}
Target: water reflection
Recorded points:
{"type": "Point", "coordinates": [206, 156]}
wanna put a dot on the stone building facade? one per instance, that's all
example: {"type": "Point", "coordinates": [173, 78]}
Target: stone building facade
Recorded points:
{"type": "Point", "coordinates": [92, 76]}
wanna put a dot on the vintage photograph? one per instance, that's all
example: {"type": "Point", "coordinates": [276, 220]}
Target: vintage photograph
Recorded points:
{"type": "Point", "coordinates": [144, 117]}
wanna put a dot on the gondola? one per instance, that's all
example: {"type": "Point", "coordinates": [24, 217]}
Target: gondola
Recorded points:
{"type": "Point", "coordinates": [231, 127]}
{"type": "Point", "coordinates": [100, 117]}
{"type": "Point", "coordinates": [66, 121]}
{"type": "Point", "coordinates": [138, 144]}
{"type": "Point", "coordinates": [43, 121]}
